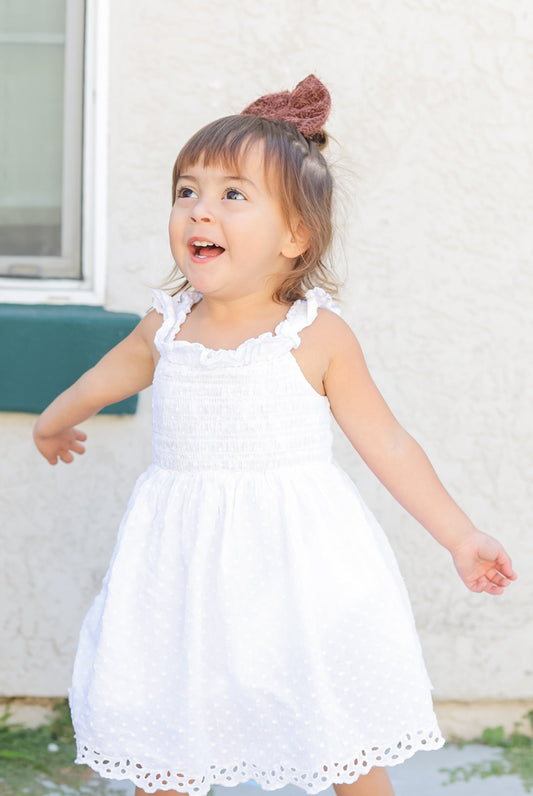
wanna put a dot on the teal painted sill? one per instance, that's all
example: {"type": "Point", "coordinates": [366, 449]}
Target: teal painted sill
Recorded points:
{"type": "Point", "coordinates": [44, 349]}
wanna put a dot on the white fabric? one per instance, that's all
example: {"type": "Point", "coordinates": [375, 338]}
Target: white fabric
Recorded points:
{"type": "Point", "coordinates": [253, 623]}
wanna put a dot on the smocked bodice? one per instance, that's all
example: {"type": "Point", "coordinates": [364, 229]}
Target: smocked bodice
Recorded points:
{"type": "Point", "coordinates": [249, 408]}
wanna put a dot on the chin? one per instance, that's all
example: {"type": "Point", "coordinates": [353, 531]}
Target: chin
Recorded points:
{"type": "Point", "coordinates": [203, 286]}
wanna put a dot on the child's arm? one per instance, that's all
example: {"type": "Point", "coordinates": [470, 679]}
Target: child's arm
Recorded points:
{"type": "Point", "coordinates": [403, 467]}
{"type": "Point", "coordinates": [123, 371]}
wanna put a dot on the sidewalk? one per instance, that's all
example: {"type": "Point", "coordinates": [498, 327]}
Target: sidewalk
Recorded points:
{"type": "Point", "coordinates": [419, 776]}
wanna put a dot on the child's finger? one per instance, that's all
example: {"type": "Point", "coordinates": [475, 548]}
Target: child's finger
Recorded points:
{"type": "Point", "coordinates": [493, 589]}
{"type": "Point", "coordinates": [499, 580]}
{"type": "Point", "coordinates": [505, 566]}
{"type": "Point", "coordinates": [484, 584]}
{"type": "Point", "coordinates": [81, 435]}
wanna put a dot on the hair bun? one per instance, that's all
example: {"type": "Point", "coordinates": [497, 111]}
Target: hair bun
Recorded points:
{"type": "Point", "coordinates": [320, 139]}
{"type": "Point", "coordinates": [307, 108]}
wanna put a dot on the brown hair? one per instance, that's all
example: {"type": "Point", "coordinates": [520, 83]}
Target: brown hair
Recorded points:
{"type": "Point", "coordinates": [298, 175]}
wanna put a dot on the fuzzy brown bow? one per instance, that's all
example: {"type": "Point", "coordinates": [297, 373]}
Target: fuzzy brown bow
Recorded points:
{"type": "Point", "coordinates": [307, 107]}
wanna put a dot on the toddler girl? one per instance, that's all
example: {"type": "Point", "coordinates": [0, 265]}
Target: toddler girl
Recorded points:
{"type": "Point", "coordinates": [253, 624]}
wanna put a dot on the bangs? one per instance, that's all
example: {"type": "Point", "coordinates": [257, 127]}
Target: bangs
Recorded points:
{"type": "Point", "coordinates": [221, 143]}
{"type": "Point", "coordinates": [227, 141]}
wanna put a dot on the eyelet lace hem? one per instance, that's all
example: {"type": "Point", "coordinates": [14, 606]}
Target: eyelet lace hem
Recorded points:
{"type": "Point", "coordinates": [268, 778]}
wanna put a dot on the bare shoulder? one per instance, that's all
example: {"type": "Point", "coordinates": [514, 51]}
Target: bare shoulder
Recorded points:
{"type": "Point", "coordinates": [329, 333]}
{"type": "Point", "coordinates": [149, 325]}
{"type": "Point", "coordinates": [145, 332]}
{"type": "Point", "coordinates": [322, 343]}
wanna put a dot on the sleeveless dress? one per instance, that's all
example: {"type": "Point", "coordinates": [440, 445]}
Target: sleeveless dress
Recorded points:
{"type": "Point", "coordinates": [253, 623]}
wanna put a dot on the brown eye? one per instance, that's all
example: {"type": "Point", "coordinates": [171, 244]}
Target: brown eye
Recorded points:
{"type": "Point", "coordinates": [185, 193]}
{"type": "Point", "coordinates": [234, 194]}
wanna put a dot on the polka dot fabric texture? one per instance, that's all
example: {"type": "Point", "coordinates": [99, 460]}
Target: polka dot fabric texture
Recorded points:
{"type": "Point", "coordinates": [253, 623]}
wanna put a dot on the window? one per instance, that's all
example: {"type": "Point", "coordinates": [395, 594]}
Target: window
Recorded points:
{"type": "Point", "coordinates": [53, 81]}
{"type": "Point", "coordinates": [53, 85]}
{"type": "Point", "coordinates": [41, 99]}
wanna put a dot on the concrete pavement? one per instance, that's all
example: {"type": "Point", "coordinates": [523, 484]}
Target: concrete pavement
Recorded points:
{"type": "Point", "coordinates": [419, 776]}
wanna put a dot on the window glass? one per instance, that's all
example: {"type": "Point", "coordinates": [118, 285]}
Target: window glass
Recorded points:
{"type": "Point", "coordinates": [41, 58]}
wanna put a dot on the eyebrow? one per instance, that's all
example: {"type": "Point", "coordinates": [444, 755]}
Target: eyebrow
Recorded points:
{"type": "Point", "coordinates": [222, 179]}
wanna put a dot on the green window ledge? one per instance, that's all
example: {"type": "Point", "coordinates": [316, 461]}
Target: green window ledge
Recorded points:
{"type": "Point", "coordinates": [44, 349]}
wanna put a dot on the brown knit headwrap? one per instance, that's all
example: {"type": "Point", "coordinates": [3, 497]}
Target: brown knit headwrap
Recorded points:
{"type": "Point", "coordinates": [307, 107]}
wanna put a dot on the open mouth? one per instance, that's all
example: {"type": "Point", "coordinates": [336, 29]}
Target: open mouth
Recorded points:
{"type": "Point", "coordinates": [204, 249]}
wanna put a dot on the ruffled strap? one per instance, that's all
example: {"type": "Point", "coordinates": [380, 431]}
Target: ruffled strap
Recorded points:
{"type": "Point", "coordinates": [304, 311]}
{"type": "Point", "coordinates": [174, 310]}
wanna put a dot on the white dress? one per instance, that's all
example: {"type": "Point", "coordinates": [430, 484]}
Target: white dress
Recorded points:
{"type": "Point", "coordinates": [253, 623]}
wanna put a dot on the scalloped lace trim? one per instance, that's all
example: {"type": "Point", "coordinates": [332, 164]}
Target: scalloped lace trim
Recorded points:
{"type": "Point", "coordinates": [173, 309]}
{"type": "Point", "coordinates": [270, 778]}
{"type": "Point", "coordinates": [300, 314]}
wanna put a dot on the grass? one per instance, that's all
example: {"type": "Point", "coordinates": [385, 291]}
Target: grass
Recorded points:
{"type": "Point", "coordinates": [40, 761]}
{"type": "Point", "coordinates": [516, 756]}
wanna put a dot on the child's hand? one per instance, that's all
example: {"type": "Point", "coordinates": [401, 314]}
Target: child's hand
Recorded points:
{"type": "Point", "coordinates": [483, 564]}
{"type": "Point", "coordinates": [60, 445]}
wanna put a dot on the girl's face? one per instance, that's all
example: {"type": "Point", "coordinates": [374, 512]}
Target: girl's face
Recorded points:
{"type": "Point", "coordinates": [250, 247]}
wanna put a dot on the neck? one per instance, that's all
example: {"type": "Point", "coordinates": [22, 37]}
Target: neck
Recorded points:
{"type": "Point", "coordinates": [234, 309]}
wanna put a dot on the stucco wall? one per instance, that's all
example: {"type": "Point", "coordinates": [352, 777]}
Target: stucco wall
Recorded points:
{"type": "Point", "coordinates": [433, 112]}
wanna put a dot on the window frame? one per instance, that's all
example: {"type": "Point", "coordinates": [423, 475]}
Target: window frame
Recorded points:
{"type": "Point", "coordinates": [90, 289]}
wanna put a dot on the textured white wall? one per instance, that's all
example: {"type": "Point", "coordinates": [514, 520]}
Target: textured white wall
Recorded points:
{"type": "Point", "coordinates": [433, 112]}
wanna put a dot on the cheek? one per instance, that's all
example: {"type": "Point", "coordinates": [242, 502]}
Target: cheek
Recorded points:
{"type": "Point", "coordinates": [176, 245]}
{"type": "Point", "coordinates": [175, 227]}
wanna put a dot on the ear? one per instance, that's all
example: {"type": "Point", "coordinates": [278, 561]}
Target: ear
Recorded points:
{"type": "Point", "coordinates": [297, 241]}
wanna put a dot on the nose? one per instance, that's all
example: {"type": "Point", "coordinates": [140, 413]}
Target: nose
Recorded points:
{"type": "Point", "coordinates": [201, 212]}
